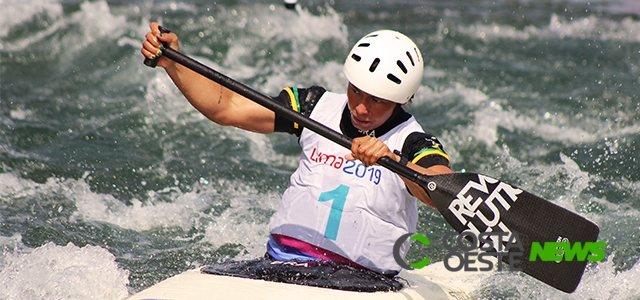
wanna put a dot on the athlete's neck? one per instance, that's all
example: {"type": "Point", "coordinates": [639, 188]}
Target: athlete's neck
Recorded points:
{"type": "Point", "coordinates": [397, 117]}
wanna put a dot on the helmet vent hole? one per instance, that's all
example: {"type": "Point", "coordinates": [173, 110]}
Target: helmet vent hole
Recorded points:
{"type": "Point", "coordinates": [356, 57]}
{"type": "Point", "coordinates": [402, 67]}
{"type": "Point", "coordinates": [374, 65]}
{"type": "Point", "coordinates": [393, 78]}
{"type": "Point", "coordinates": [411, 59]}
{"type": "Point", "coordinates": [364, 45]}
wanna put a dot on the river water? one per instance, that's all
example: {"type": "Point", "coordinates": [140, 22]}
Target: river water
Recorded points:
{"type": "Point", "coordinates": [110, 181]}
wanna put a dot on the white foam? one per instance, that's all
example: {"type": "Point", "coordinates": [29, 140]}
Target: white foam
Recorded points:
{"type": "Point", "coordinates": [97, 21]}
{"type": "Point", "coordinates": [94, 19]}
{"type": "Point", "coordinates": [488, 115]}
{"type": "Point", "coordinates": [21, 114]}
{"type": "Point", "coordinates": [177, 6]}
{"type": "Point", "coordinates": [256, 29]}
{"type": "Point", "coordinates": [245, 221]}
{"type": "Point", "coordinates": [13, 187]}
{"type": "Point", "coordinates": [153, 213]}
{"type": "Point", "coordinates": [15, 12]}
{"type": "Point", "coordinates": [184, 211]}
{"type": "Point", "coordinates": [593, 27]}
{"type": "Point", "coordinates": [603, 281]}
{"type": "Point", "coordinates": [261, 148]}
{"type": "Point", "coordinates": [9, 244]}
{"type": "Point", "coordinates": [328, 75]}
{"type": "Point", "coordinates": [62, 272]}
{"type": "Point", "coordinates": [91, 206]}
{"type": "Point", "coordinates": [164, 102]}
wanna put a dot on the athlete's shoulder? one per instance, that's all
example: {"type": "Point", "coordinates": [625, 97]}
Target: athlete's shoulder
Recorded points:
{"type": "Point", "coordinates": [425, 150]}
{"type": "Point", "coordinates": [302, 100]}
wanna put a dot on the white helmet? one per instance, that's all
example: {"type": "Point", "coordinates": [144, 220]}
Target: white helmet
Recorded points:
{"type": "Point", "coordinates": [385, 64]}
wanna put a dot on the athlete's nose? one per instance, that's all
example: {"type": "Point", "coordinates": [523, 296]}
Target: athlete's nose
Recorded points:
{"type": "Point", "coordinates": [361, 109]}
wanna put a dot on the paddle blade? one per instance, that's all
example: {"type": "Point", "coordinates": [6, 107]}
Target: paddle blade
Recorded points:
{"type": "Point", "coordinates": [479, 203]}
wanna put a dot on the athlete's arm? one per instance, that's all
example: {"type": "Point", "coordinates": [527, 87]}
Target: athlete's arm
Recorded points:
{"type": "Point", "coordinates": [216, 102]}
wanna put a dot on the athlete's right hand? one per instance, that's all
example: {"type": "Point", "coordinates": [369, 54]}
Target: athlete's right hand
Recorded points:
{"type": "Point", "coordinates": [369, 150]}
{"type": "Point", "coordinates": [154, 39]}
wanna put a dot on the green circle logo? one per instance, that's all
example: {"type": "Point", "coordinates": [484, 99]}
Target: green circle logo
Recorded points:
{"type": "Point", "coordinates": [411, 265]}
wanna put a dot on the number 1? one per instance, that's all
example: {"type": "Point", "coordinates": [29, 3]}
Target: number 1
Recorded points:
{"type": "Point", "coordinates": [339, 197]}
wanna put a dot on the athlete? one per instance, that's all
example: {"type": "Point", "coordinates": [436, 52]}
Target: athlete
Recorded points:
{"type": "Point", "coordinates": [341, 206]}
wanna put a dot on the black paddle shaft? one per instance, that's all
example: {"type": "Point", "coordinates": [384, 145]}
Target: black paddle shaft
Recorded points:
{"type": "Point", "coordinates": [467, 201]}
{"type": "Point", "coordinates": [289, 114]}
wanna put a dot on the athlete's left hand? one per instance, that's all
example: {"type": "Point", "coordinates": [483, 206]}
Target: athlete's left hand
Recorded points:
{"type": "Point", "coordinates": [368, 150]}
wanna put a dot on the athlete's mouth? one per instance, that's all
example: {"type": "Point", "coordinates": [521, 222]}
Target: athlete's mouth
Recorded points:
{"type": "Point", "coordinates": [355, 120]}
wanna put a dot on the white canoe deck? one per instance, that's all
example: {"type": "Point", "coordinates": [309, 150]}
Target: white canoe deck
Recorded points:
{"type": "Point", "coordinates": [431, 282]}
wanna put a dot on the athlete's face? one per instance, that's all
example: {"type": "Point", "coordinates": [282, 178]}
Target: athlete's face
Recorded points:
{"type": "Point", "coordinates": [368, 112]}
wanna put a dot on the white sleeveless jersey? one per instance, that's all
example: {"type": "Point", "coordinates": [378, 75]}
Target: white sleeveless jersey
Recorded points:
{"type": "Point", "coordinates": [342, 206]}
